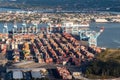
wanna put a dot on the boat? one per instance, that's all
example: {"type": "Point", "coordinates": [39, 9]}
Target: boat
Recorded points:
{"type": "Point", "coordinates": [101, 20]}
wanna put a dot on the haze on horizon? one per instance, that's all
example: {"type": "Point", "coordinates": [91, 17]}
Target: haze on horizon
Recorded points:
{"type": "Point", "coordinates": [64, 4]}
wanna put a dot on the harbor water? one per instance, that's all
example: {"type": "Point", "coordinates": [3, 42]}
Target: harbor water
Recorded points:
{"type": "Point", "coordinates": [110, 38]}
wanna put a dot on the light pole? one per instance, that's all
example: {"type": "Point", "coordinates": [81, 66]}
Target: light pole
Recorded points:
{"type": "Point", "coordinates": [5, 28]}
{"type": "Point", "coordinates": [14, 27]}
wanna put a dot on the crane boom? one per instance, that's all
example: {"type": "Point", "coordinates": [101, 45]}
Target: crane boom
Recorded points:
{"type": "Point", "coordinates": [90, 35]}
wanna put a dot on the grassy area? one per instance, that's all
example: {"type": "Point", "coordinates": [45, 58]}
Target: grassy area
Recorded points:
{"type": "Point", "coordinates": [110, 55]}
{"type": "Point", "coordinates": [107, 65]}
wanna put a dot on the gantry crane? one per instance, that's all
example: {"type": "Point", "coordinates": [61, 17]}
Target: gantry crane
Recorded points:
{"type": "Point", "coordinates": [36, 28]}
{"type": "Point", "coordinates": [90, 36]}
{"type": "Point", "coordinates": [5, 28]}
{"type": "Point", "coordinates": [24, 27]}
{"type": "Point", "coordinates": [14, 28]}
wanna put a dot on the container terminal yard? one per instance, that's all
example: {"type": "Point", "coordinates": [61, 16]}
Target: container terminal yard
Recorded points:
{"type": "Point", "coordinates": [53, 51]}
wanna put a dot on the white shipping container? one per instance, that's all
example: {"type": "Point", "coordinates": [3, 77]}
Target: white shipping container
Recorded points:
{"type": "Point", "coordinates": [13, 46]}
{"type": "Point", "coordinates": [3, 39]}
{"type": "Point", "coordinates": [77, 75]}
{"type": "Point", "coordinates": [64, 62]}
{"type": "Point", "coordinates": [16, 46]}
{"type": "Point", "coordinates": [7, 42]}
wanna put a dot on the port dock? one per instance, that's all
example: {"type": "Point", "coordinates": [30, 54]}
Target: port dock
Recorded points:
{"type": "Point", "coordinates": [51, 48]}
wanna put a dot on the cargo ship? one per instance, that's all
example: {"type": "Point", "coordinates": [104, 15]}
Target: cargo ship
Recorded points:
{"type": "Point", "coordinates": [72, 24]}
{"type": "Point", "coordinates": [68, 26]}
